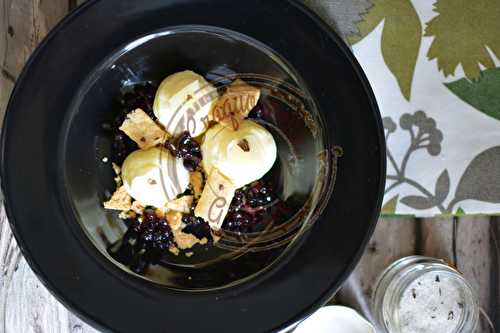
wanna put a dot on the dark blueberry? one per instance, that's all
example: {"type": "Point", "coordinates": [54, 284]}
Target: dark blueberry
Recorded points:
{"type": "Point", "coordinates": [240, 222]}
{"type": "Point", "coordinates": [252, 209]}
{"type": "Point", "coordinates": [142, 96]}
{"type": "Point", "coordinates": [171, 147]}
{"type": "Point", "coordinates": [190, 165]}
{"type": "Point", "coordinates": [196, 226]}
{"type": "Point", "coordinates": [187, 148]}
{"type": "Point", "coordinates": [144, 243]}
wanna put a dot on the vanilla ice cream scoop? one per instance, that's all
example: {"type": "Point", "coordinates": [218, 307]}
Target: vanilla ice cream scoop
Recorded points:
{"type": "Point", "coordinates": [153, 176]}
{"type": "Point", "coordinates": [183, 102]}
{"type": "Point", "coordinates": [243, 156]}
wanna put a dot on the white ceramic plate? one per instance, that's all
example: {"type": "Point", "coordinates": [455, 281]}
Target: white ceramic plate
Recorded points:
{"type": "Point", "coordinates": [332, 319]}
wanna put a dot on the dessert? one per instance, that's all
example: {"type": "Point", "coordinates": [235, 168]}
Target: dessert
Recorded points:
{"type": "Point", "coordinates": [232, 159]}
{"type": "Point", "coordinates": [243, 156]}
{"type": "Point", "coordinates": [190, 162]}
{"type": "Point", "coordinates": [153, 176]}
{"type": "Point", "coordinates": [183, 102]}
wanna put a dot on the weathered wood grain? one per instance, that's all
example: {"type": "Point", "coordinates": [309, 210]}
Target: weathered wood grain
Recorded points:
{"type": "Point", "coordinates": [494, 306]}
{"type": "Point", "coordinates": [476, 260]}
{"type": "Point", "coordinates": [23, 25]}
{"type": "Point", "coordinates": [437, 238]}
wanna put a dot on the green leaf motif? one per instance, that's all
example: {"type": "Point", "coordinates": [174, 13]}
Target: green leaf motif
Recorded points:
{"type": "Point", "coordinates": [401, 38]}
{"type": "Point", "coordinates": [390, 207]}
{"type": "Point", "coordinates": [483, 94]}
{"type": "Point", "coordinates": [463, 31]}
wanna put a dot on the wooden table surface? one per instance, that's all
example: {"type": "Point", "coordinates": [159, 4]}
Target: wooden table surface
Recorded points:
{"type": "Point", "coordinates": [470, 243]}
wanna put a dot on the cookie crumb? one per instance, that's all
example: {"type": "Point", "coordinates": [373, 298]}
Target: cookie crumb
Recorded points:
{"type": "Point", "coordinates": [174, 250]}
{"type": "Point", "coordinates": [174, 220]}
{"type": "Point", "coordinates": [120, 200]}
{"type": "Point", "coordinates": [196, 181]}
{"type": "Point", "coordinates": [182, 204]}
{"type": "Point", "coordinates": [143, 130]}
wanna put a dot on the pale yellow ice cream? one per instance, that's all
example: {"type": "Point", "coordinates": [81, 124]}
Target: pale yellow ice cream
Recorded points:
{"type": "Point", "coordinates": [243, 156]}
{"type": "Point", "coordinates": [183, 102]}
{"type": "Point", "coordinates": [153, 176]}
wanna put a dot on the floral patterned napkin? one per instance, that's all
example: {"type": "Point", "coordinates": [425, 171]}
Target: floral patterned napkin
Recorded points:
{"type": "Point", "coordinates": [434, 67]}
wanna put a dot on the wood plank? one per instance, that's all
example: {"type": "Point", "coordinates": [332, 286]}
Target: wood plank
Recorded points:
{"type": "Point", "coordinates": [6, 79]}
{"type": "Point", "coordinates": [23, 25]}
{"type": "Point", "coordinates": [475, 261]}
{"type": "Point", "coordinates": [75, 3]}
{"type": "Point", "coordinates": [494, 306]}
{"type": "Point", "coordinates": [437, 238]}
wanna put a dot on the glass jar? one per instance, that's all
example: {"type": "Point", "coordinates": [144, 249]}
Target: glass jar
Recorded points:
{"type": "Point", "coordinates": [422, 294]}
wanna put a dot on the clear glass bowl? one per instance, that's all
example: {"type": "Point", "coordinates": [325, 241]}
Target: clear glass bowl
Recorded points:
{"type": "Point", "coordinates": [303, 175]}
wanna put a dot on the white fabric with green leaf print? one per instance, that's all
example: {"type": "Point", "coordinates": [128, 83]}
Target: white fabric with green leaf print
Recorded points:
{"type": "Point", "coordinates": [434, 67]}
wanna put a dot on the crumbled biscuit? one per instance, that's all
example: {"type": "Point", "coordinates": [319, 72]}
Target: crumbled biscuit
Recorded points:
{"type": "Point", "coordinates": [196, 181]}
{"type": "Point", "coordinates": [160, 212]}
{"type": "Point", "coordinates": [143, 130]}
{"type": "Point", "coordinates": [118, 177]}
{"type": "Point", "coordinates": [127, 214]}
{"type": "Point", "coordinates": [189, 254]}
{"type": "Point", "coordinates": [120, 200]}
{"type": "Point", "coordinates": [137, 207]}
{"type": "Point", "coordinates": [174, 220]}
{"type": "Point", "coordinates": [182, 204]}
{"type": "Point", "coordinates": [235, 104]}
{"type": "Point", "coordinates": [204, 241]}
{"type": "Point", "coordinates": [174, 250]}
{"type": "Point", "coordinates": [185, 241]}
{"type": "Point", "coordinates": [116, 168]}
{"type": "Point", "coordinates": [215, 199]}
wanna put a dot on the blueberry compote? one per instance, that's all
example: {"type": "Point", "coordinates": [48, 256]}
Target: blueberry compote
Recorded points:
{"type": "Point", "coordinates": [148, 237]}
{"type": "Point", "coordinates": [187, 148]}
{"type": "Point", "coordinates": [253, 208]}
{"type": "Point", "coordinates": [139, 96]}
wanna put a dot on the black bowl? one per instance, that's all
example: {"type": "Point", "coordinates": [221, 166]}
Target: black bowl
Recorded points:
{"type": "Point", "coordinates": [49, 173]}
